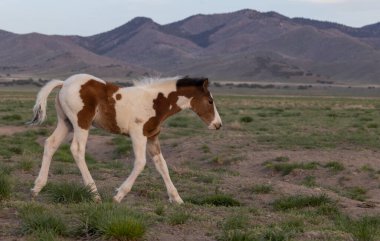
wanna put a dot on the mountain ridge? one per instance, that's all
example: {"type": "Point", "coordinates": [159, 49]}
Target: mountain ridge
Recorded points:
{"type": "Point", "coordinates": [244, 45]}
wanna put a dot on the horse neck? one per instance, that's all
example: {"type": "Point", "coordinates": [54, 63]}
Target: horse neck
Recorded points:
{"type": "Point", "coordinates": [169, 101]}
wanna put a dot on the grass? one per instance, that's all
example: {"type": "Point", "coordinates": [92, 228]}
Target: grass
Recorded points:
{"type": "Point", "coordinates": [236, 221]}
{"type": "Point", "coordinates": [20, 144]}
{"type": "Point", "coordinates": [5, 186]}
{"type": "Point", "coordinates": [334, 166]}
{"type": "Point", "coordinates": [366, 228]}
{"type": "Point", "coordinates": [63, 154]}
{"type": "Point", "coordinates": [179, 121]}
{"type": "Point", "coordinates": [309, 181]}
{"type": "Point", "coordinates": [123, 146]}
{"type": "Point", "coordinates": [13, 117]}
{"type": "Point", "coordinates": [280, 159]}
{"type": "Point", "coordinates": [262, 188]}
{"type": "Point", "coordinates": [68, 192]}
{"type": "Point", "coordinates": [110, 221]}
{"type": "Point", "coordinates": [26, 165]}
{"type": "Point", "coordinates": [300, 201]}
{"type": "Point", "coordinates": [283, 124]}
{"type": "Point", "coordinates": [205, 148]}
{"type": "Point", "coordinates": [246, 119]}
{"type": "Point", "coordinates": [237, 235]}
{"type": "Point", "coordinates": [287, 168]}
{"type": "Point", "coordinates": [37, 219]}
{"type": "Point", "coordinates": [178, 217]}
{"type": "Point", "coordinates": [214, 199]}
{"type": "Point", "coordinates": [356, 193]}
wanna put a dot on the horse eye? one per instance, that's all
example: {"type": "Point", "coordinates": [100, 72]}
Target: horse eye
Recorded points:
{"type": "Point", "coordinates": [210, 102]}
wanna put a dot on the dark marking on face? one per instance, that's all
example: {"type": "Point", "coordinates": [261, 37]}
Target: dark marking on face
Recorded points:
{"type": "Point", "coordinates": [118, 96]}
{"type": "Point", "coordinates": [99, 106]}
{"type": "Point", "coordinates": [138, 120]}
{"type": "Point", "coordinates": [197, 89]}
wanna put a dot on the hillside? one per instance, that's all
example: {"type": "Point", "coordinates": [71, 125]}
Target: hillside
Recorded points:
{"type": "Point", "coordinates": [245, 45]}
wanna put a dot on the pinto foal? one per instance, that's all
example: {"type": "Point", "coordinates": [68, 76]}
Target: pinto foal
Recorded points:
{"type": "Point", "coordinates": [84, 101]}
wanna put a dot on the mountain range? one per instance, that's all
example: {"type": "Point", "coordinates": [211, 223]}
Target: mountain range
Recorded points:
{"type": "Point", "coordinates": [246, 45]}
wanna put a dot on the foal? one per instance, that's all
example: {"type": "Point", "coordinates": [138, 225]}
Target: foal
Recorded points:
{"type": "Point", "coordinates": [137, 111]}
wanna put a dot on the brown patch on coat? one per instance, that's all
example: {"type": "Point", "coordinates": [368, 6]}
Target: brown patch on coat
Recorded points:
{"type": "Point", "coordinates": [167, 106]}
{"type": "Point", "coordinates": [118, 97]}
{"type": "Point", "coordinates": [99, 106]}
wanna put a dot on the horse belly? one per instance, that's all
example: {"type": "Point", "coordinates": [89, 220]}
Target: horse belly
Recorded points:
{"type": "Point", "coordinates": [106, 120]}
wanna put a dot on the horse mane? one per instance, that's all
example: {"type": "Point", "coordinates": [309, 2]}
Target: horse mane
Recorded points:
{"type": "Point", "coordinates": [181, 81]}
{"type": "Point", "coordinates": [152, 81]}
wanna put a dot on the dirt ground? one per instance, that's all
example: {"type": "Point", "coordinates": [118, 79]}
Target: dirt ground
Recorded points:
{"type": "Point", "coordinates": [247, 170]}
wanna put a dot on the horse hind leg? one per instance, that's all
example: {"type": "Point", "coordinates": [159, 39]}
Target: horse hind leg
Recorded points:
{"type": "Point", "coordinates": [51, 145]}
{"type": "Point", "coordinates": [78, 148]}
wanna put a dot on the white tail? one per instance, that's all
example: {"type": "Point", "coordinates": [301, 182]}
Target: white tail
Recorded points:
{"type": "Point", "coordinates": [39, 109]}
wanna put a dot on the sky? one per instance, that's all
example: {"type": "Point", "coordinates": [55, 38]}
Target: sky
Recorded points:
{"type": "Point", "coordinates": [88, 17]}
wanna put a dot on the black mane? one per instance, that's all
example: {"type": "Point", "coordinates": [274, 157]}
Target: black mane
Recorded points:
{"type": "Point", "coordinates": [188, 81]}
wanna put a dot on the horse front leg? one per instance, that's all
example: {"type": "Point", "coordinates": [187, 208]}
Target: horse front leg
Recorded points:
{"type": "Point", "coordinates": [139, 148]}
{"type": "Point", "coordinates": [154, 150]}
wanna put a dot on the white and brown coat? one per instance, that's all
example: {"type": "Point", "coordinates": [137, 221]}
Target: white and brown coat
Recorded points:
{"type": "Point", "coordinates": [84, 101]}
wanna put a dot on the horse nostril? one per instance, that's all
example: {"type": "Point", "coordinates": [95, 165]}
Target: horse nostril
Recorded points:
{"type": "Point", "coordinates": [218, 126]}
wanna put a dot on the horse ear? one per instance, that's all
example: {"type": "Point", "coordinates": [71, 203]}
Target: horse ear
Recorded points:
{"type": "Point", "coordinates": [205, 84]}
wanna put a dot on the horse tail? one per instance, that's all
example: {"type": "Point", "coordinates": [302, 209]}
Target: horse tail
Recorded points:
{"type": "Point", "coordinates": [39, 109]}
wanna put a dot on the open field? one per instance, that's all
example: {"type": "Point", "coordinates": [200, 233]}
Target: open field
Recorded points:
{"type": "Point", "coordinates": [281, 168]}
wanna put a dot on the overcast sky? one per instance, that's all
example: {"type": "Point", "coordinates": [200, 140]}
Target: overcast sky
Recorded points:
{"type": "Point", "coordinates": [87, 17]}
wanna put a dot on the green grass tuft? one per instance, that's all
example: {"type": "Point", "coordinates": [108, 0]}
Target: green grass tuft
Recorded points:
{"type": "Point", "coordinates": [356, 193]}
{"type": "Point", "coordinates": [123, 146]}
{"type": "Point", "coordinates": [365, 228]}
{"type": "Point", "coordinates": [214, 199]}
{"type": "Point", "coordinates": [236, 221]}
{"type": "Point", "coordinates": [262, 188]}
{"type": "Point", "coordinates": [69, 193]}
{"type": "Point", "coordinates": [178, 217]}
{"type": "Point", "coordinates": [334, 166]}
{"type": "Point", "coordinates": [287, 168]}
{"type": "Point", "coordinates": [113, 222]}
{"type": "Point", "coordinates": [309, 181]}
{"type": "Point", "coordinates": [5, 186]}
{"type": "Point", "coordinates": [238, 235]}
{"type": "Point", "coordinates": [246, 119]}
{"type": "Point", "coordinates": [273, 234]}
{"type": "Point", "coordinates": [63, 154]}
{"type": "Point", "coordinates": [300, 201]}
{"type": "Point", "coordinates": [26, 165]}
{"type": "Point", "coordinates": [13, 117]}
{"type": "Point", "coordinates": [37, 219]}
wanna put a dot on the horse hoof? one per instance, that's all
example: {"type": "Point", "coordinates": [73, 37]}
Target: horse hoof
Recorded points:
{"type": "Point", "coordinates": [33, 195]}
{"type": "Point", "coordinates": [116, 200]}
{"type": "Point", "coordinates": [176, 200]}
{"type": "Point", "coordinates": [97, 199]}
